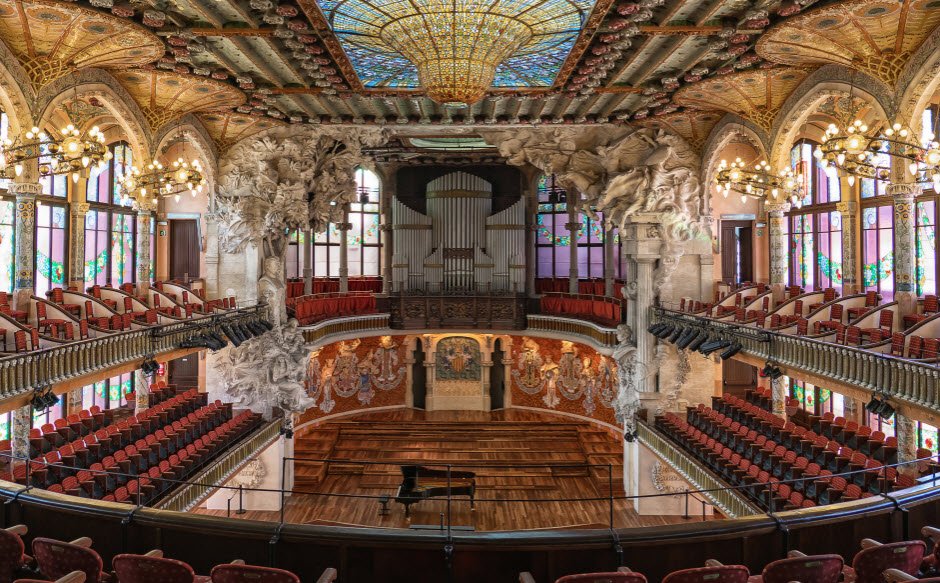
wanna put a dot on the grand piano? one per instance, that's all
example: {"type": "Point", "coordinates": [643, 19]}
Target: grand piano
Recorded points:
{"type": "Point", "coordinates": [421, 482]}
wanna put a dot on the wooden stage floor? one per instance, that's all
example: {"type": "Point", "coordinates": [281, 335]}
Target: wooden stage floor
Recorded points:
{"type": "Point", "coordinates": [524, 463]}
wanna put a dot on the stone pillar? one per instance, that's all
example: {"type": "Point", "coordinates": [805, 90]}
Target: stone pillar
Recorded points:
{"type": "Point", "coordinates": [144, 217]}
{"type": "Point", "coordinates": [24, 278]}
{"type": "Point", "coordinates": [573, 227]}
{"type": "Point", "coordinates": [905, 291]}
{"type": "Point", "coordinates": [308, 261]}
{"type": "Point", "coordinates": [906, 432]}
{"type": "Point", "coordinates": [849, 211]}
{"type": "Point", "coordinates": [344, 229]}
{"type": "Point", "coordinates": [78, 208]}
{"type": "Point", "coordinates": [609, 258]}
{"type": "Point", "coordinates": [530, 257]}
{"type": "Point", "coordinates": [850, 409]}
{"type": "Point", "coordinates": [778, 392]}
{"type": "Point", "coordinates": [643, 242]}
{"type": "Point", "coordinates": [75, 400]}
{"type": "Point", "coordinates": [212, 256]}
{"type": "Point", "coordinates": [777, 233]}
{"type": "Point", "coordinates": [19, 432]}
{"type": "Point", "coordinates": [388, 253]}
{"type": "Point", "coordinates": [141, 391]}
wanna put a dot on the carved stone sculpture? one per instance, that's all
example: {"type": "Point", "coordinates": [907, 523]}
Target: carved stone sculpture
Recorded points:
{"type": "Point", "coordinates": [272, 289]}
{"type": "Point", "coordinates": [268, 372]}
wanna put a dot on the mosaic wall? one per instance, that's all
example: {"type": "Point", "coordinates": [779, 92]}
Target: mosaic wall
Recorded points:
{"type": "Point", "coordinates": [563, 376]}
{"type": "Point", "coordinates": [356, 374]}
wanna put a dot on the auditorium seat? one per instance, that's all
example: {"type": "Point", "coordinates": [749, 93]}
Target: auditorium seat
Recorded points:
{"type": "Point", "coordinates": [238, 572]}
{"type": "Point", "coordinates": [897, 576]}
{"type": "Point", "coordinates": [12, 552]}
{"type": "Point", "coordinates": [154, 567]}
{"type": "Point", "coordinates": [622, 575]}
{"type": "Point", "coordinates": [58, 558]}
{"type": "Point", "coordinates": [800, 567]}
{"type": "Point", "coordinates": [73, 577]}
{"type": "Point", "coordinates": [713, 573]}
{"type": "Point", "coordinates": [874, 558]}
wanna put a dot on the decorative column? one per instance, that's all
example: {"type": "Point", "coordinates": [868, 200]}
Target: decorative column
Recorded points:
{"type": "Point", "coordinates": [531, 231]}
{"type": "Point", "coordinates": [778, 393]}
{"type": "Point", "coordinates": [573, 226]}
{"type": "Point", "coordinates": [141, 392]}
{"type": "Point", "coordinates": [906, 432]}
{"type": "Point", "coordinates": [77, 212]}
{"type": "Point", "coordinates": [308, 261]}
{"type": "Point", "coordinates": [609, 258]}
{"type": "Point", "coordinates": [905, 291]}
{"type": "Point", "coordinates": [144, 216]}
{"type": "Point", "coordinates": [849, 211]}
{"type": "Point", "coordinates": [19, 434]}
{"type": "Point", "coordinates": [212, 255]}
{"type": "Point", "coordinates": [643, 242]}
{"type": "Point", "coordinates": [344, 229]}
{"type": "Point", "coordinates": [24, 280]}
{"type": "Point", "coordinates": [776, 222]}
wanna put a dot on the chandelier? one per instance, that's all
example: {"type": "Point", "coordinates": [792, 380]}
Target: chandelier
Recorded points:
{"type": "Point", "coordinates": [757, 181]}
{"type": "Point", "coordinates": [854, 150]}
{"type": "Point", "coordinates": [70, 154]}
{"type": "Point", "coordinates": [156, 181]}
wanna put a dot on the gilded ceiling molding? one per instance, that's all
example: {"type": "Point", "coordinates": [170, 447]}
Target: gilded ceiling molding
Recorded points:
{"type": "Point", "coordinates": [694, 126]}
{"type": "Point", "coordinates": [101, 85]}
{"type": "Point", "coordinates": [197, 137]}
{"type": "Point", "coordinates": [16, 92]}
{"type": "Point", "coordinates": [227, 128]}
{"type": "Point", "coordinates": [822, 84]}
{"type": "Point", "coordinates": [919, 80]}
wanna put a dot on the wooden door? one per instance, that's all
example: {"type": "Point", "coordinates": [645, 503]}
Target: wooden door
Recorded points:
{"type": "Point", "coordinates": [498, 378]}
{"type": "Point", "coordinates": [184, 249]}
{"type": "Point", "coordinates": [737, 251]}
{"type": "Point", "coordinates": [737, 377]}
{"type": "Point", "coordinates": [184, 372]}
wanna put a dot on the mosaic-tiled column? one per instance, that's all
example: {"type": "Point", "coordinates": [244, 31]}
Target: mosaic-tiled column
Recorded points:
{"type": "Point", "coordinates": [905, 291]}
{"type": "Point", "coordinates": [849, 215]}
{"type": "Point", "coordinates": [776, 221]}
{"type": "Point", "coordinates": [77, 212]}
{"type": "Point", "coordinates": [778, 393]}
{"type": "Point", "coordinates": [144, 218]}
{"type": "Point", "coordinates": [24, 282]}
{"type": "Point", "coordinates": [141, 391]}
{"type": "Point", "coordinates": [906, 432]}
{"type": "Point", "coordinates": [19, 434]}
{"type": "Point", "coordinates": [344, 229]}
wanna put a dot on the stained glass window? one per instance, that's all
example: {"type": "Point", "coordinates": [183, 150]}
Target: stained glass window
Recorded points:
{"type": "Point", "coordinates": [886, 426]}
{"type": "Point", "coordinates": [110, 227]}
{"type": "Point", "coordinates": [816, 400]}
{"type": "Point", "coordinates": [51, 244]}
{"type": "Point", "coordinates": [802, 250]}
{"type": "Point", "coordinates": [927, 437]}
{"type": "Point", "coordinates": [109, 393]}
{"type": "Point", "coordinates": [363, 241]}
{"type": "Point", "coordinates": [295, 254]}
{"type": "Point", "coordinates": [829, 254]}
{"type": "Point", "coordinates": [7, 244]}
{"type": "Point", "coordinates": [6, 425]}
{"type": "Point", "coordinates": [878, 249]}
{"type": "Point", "coordinates": [926, 247]}
{"type": "Point", "coordinates": [815, 228]}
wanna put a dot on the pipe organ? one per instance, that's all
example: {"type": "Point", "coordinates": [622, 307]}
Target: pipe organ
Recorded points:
{"type": "Point", "coordinates": [459, 245]}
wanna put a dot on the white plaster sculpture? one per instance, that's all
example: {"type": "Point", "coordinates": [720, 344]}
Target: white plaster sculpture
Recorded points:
{"type": "Point", "coordinates": [268, 372]}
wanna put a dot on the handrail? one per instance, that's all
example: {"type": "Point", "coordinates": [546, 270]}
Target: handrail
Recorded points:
{"type": "Point", "coordinates": [917, 383]}
{"type": "Point", "coordinates": [21, 372]}
{"type": "Point", "coordinates": [606, 337]}
{"type": "Point", "coordinates": [345, 325]}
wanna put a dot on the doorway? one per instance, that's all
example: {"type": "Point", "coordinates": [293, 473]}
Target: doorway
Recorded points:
{"type": "Point", "coordinates": [737, 251]}
{"type": "Point", "coordinates": [184, 372]}
{"type": "Point", "coordinates": [498, 378]}
{"type": "Point", "coordinates": [737, 377]}
{"type": "Point", "coordinates": [184, 249]}
{"type": "Point", "coordinates": [419, 384]}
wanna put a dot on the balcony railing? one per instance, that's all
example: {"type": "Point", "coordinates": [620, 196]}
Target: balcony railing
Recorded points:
{"type": "Point", "coordinates": [917, 383]}
{"type": "Point", "coordinates": [584, 330]}
{"type": "Point", "coordinates": [341, 326]}
{"type": "Point", "coordinates": [20, 373]}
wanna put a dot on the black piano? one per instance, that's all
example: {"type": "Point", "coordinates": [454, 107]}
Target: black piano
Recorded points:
{"type": "Point", "coordinates": [420, 483]}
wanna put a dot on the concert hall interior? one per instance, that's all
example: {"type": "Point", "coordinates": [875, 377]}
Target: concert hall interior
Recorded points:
{"type": "Point", "coordinates": [448, 291]}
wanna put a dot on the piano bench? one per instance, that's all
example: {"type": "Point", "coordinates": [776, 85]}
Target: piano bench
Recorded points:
{"type": "Point", "coordinates": [383, 500]}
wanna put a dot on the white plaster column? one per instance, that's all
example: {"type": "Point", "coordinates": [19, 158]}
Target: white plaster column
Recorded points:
{"type": "Point", "coordinates": [643, 242]}
{"type": "Point", "coordinates": [25, 252]}
{"type": "Point", "coordinates": [609, 259]}
{"type": "Point", "coordinates": [776, 222]}
{"type": "Point", "coordinates": [344, 228]}
{"type": "Point", "coordinates": [849, 213]}
{"type": "Point", "coordinates": [308, 261]}
{"type": "Point", "coordinates": [905, 291]}
{"type": "Point", "coordinates": [212, 256]}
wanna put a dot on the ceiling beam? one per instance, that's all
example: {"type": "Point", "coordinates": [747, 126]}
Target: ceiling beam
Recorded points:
{"type": "Point", "coordinates": [227, 32]}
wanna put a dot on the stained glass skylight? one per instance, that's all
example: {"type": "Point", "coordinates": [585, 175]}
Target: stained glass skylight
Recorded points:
{"type": "Point", "coordinates": [367, 31]}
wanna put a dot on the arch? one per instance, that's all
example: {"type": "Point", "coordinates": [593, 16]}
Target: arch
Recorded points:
{"type": "Point", "coordinates": [101, 85]}
{"type": "Point", "coordinates": [919, 81]}
{"type": "Point", "coordinates": [198, 137]}
{"type": "Point", "coordinates": [16, 93]}
{"type": "Point", "coordinates": [826, 82]}
{"type": "Point", "coordinates": [729, 128]}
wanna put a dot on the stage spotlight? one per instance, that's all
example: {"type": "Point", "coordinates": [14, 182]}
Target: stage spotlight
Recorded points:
{"type": "Point", "coordinates": [43, 398]}
{"type": "Point", "coordinates": [714, 345]}
{"type": "Point", "coordinates": [885, 411]}
{"type": "Point", "coordinates": [149, 366]}
{"type": "Point", "coordinates": [232, 335]}
{"type": "Point", "coordinates": [653, 327]}
{"type": "Point", "coordinates": [216, 340]}
{"type": "Point", "coordinates": [698, 341]}
{"type": "Point", "coordinates": [731, 351]}
{"type": "Point", "coordinates": [873, 405]}
{"type": "Point", "coordinates": [684, 343]}
{"type": "Point", "coordinates": [775, 373]}
{"type": "Point", "coordinates": [679, 331]}
{"type": "Point", "coordinates": [665, 331]}
{"type": "Point", "coordinates": [266, 325]}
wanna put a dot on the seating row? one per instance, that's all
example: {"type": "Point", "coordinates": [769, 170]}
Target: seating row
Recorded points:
{"type": "Point", "coordinates": [599, 309]}
{"type": "Point", "coordinates": [312, 309]}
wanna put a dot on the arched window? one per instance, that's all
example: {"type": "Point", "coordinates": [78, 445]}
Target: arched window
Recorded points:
{"type": "Point", "coordinates": [363, 240]}
{"type": "Point", "coordinates": [927, 258]}
{"type": "Point", "coordinates": [110, 227]}
{"type": "Point", "coordinates": [815, 227]}
{"type": "Point", "coordinates": [553, 239]}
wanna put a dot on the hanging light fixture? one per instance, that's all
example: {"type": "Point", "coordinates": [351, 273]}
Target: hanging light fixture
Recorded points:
{"type": "Point", "coordinates": [157, 181]}
{"type": "Point", "coordinates": [70, 154]}
{"type": "Point", "coordinates": [756, 181]}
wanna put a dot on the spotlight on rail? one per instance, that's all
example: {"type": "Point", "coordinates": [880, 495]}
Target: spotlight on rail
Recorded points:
{"type": "Point", "coordinates": [713, 345]}
{"type": "Point", "coordinates": [686, 340]}
{"type": "Point", "coordinates": [880, 407]}
{"type": "Point", "coordinates": [665, 331]}
{"type": "Point", "coordinates": [731, 351]}
{"type": "Point", "coordinates": [679, 331]}
{"type": "Point", "coordinates": [149, 366]}
{"type": "Point", "coordinates": [43, 398]}
{"type": "Point", "coordinates": [698, 341]}
{"type": "Point", "coordinates": [771, 370]}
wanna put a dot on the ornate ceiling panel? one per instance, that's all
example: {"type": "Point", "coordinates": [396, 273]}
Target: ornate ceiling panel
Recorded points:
{"type": "Point", "coordinates": [875, 36]}
{"type": "Point", "coordinates": [692, 125]}
{"type": "Point", "coordinates": [754, 95]}
{"type": "Point", "coordinates": [53, 38]}
{"type": "Point", "coordinates": [164, 96]}
{"type": "Point", "coordinates": [226, 128]}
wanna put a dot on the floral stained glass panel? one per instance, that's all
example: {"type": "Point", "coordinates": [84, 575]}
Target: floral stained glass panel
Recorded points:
{"type": "Point", "coordinates": [7, 245]}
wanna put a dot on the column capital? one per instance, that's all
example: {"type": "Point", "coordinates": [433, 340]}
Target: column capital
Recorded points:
{"type": "Point", "coordinates": [847, 207]}
{"type": "Point", "coordinates": [903, 190]}
{"type": "Point", "coordinates": [776, 208]}
{"type": "Point", "coordinates": [573, 226]}
{"type": "Point", "coordinates": [145, 206]}
{"type": "Point", "coordinates": [79, 209]}
{"type": "Point", "coordinates": [25, 189]}
{"type": "Point", "coordinates": [344, 226]}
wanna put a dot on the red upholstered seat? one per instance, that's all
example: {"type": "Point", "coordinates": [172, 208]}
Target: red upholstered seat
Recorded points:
{"type": "Point", "coordinates": [253, 574]}
{"type": "Point", "coordinates": [12, 554]}
{"type": "Point", "coordinates": [58, 558]}
{"type": "Point", "coordinates": [719, 574]}
{"type": "Point", "coordinates": [869, 564]}
{"type": "Point", "coordinates": [818, 569]}
{"type": "Point", "coordinates": [144, 569]}
{"type": "Point", "coordinates": [931, 307]}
